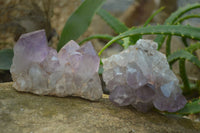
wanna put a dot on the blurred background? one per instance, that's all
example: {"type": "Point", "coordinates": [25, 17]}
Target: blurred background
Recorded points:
{"type": "Point", "coordinates": [22, 16]}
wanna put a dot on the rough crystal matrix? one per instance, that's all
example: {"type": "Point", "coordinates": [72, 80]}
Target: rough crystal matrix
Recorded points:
{"type": "Point", "coordinates": [140, 76]}
{"type": "Point", "coordinates": [39, 69]}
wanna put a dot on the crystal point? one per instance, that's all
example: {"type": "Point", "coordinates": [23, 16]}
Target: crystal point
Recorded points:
{"type": "Point", "coordinates": [31, 47]}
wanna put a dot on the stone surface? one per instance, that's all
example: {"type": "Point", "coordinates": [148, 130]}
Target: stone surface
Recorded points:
{"type": "Point", "coordinates": [140, 76]}
{"type": "Point", "coordinates": [26, 113]}
{"type": "Point", "coordinates": [38, 68]}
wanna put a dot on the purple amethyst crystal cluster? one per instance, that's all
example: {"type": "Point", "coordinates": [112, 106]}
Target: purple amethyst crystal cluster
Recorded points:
{"type": "Point", "coordinates": [39, 69]}
{"type": "Point", "coordinates": [140, 76]}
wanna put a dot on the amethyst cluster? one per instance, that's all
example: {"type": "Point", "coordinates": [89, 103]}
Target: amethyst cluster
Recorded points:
{"type": "Point", "coordinates": [39, 69]}
{"type": "Point", "coordinates": [140, 76]}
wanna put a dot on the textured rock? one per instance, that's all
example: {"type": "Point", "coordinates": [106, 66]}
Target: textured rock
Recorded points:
{"type": "Point", "coordinates": [140, 76]}
{"type": "Point", "coordinates": [26, 113]}
{"type": "Point", "coordinates": [39, 69]}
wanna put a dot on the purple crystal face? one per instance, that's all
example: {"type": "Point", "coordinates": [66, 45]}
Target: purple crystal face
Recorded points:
{"type": "Point", "coordinates": [140, 76]}
{"type": "Point", "coordinates": [31, 47]}
{"type": "Point", "coordinates": [39, 69]}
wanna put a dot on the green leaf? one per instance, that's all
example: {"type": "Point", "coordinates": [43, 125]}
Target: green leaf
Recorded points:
{"type": "Point", "coordinates": [183, 75]}
{"type": "Point", "coordinates": [184, 40]}
{"type": "Point", "coordinates": [118, 27]}
{"type": "Point", "coordinates": [126, 42]}
{"type": "Point", "coordinates": [6, 56]}
{"type": "Point", "coordinates": [100, 36]}
{"type": "Point", "coordinates": [187, 17]}
{"type": "Point", "coordinates": [153, 15]}
{"type": "Point", "coordinates": [175, 16]}
{"type": "Point", "coordinates": [193, 47]}
{"type": "Point", "coordinates": [113, 22]}
{"type": "Point", "coordinates": [183, 54]}
{"type": "Point", "coordinates": [191, 107]}
{"type": "Point", "coordinates": [168, 46]}
{"type": "Point", "coordinates": [178, 30]}
{"type": "Point", "coordinates": [79, 21]}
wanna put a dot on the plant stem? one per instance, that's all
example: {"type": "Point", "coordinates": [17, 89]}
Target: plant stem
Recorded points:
{"type": "Point", "coordinates": [152, 16]}
{"type": "Point", "coordinates": [168, 46]}
{"type": "Point", "coordinates": [99, 36]}
{"type": "Point", "coordinates": [183, 74]}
